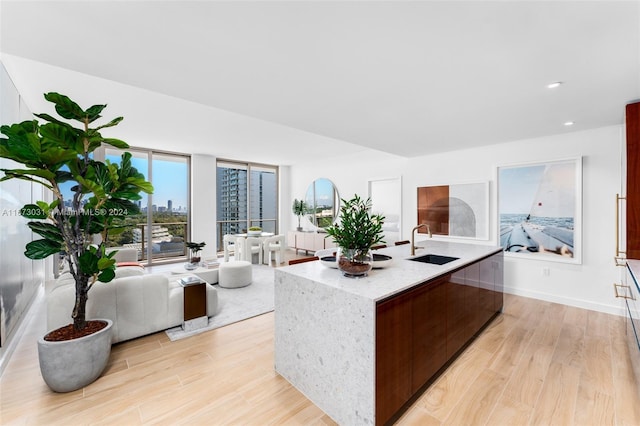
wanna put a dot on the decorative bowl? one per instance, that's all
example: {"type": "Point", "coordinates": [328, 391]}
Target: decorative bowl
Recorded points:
{"type": "Point", "coordinates": [329, 262]}
{"type": "Point", "coordinates": [190, 266]}
{"type": "Point", "coordinates": [381, 261]}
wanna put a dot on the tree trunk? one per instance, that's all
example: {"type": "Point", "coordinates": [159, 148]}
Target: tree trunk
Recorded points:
{"type": "Point", "coordinates": [80, 308]}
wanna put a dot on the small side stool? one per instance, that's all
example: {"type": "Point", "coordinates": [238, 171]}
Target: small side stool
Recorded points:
{"type": "Point", "coordinates": [194, 303]}
{"type": "Point", "coordinates": [235, 274]}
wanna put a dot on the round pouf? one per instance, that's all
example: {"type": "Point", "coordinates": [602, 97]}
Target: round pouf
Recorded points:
{"type": "Point", "coordinates": [234, 274]}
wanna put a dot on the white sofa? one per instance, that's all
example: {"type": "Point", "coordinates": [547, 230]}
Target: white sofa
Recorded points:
{"type": "Point", "coordinates": [137, 303]}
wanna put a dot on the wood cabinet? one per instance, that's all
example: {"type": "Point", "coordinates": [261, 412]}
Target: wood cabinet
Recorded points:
{"type": "Point", "coordinates": [429, 348]}
{"type": "Point", "coordinates": [410, 344]}
{"type": "Point", "coordinates": [633, 181]}
{"type": "Point", "coordinates": [420, 330]}
{"type": "Point", "coordinates": [309, 241]}
{"type": "Point", "coordinates": [393, 354]}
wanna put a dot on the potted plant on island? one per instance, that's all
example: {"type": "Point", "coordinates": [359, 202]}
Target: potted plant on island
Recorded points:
{"type": "Point", "coordinates": [299, 208]}
{"type": "Point", "coordinates": [194, 249]}
{"type": "Point", "coordinates": [357, 231]}
{"type": "Point", "coordinates": [103, 195]}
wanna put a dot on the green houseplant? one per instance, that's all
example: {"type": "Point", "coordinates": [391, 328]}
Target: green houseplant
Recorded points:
{"type": "Point", "coordinates": [194, 249]}
{"type": "Point", "coordinates": [299, 208]}
{"type": "Point", "coordinates": [103, 194]}
{"type": "Point", "coordinates": [357, 231]}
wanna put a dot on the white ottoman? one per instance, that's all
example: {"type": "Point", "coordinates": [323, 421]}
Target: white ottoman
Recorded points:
{"type": "Point", "coordinates": [234, 274]}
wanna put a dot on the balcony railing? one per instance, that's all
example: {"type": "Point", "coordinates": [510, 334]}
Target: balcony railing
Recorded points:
{"type": "Point", "coordinates": [168, 240]}
{"type": "Point", "coordinates": [240, 227]}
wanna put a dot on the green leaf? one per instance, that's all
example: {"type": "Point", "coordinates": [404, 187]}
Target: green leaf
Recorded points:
{"type": "Point", "coordinates": [94, 111]}
{"type": "Point", "coordinates": [65, 136]}
{"type": "Point", "coordinates": [32, 211]}
{"type": "Point", "coordinates": [43, 173]}
{"type": "Point", "coordinates": [51, 119]}
{"type": "Point", "coordinates": [44, 206]}
{"type": "Point", "coordinates": [106, 275]}
{"type": "Point", "coordinates": [116, 230]}
{"type": "Point", "coordinates": [46, 230]}
{"type": "Point", "coordinates": [88, 262]}
{"type": "Point", "coordinates": [117, 143]}
{"type": "Point", "coordinates": [65, 106]}
{"type": "Point", "coordinates": [29, 126]}
{"type": "Point", "coordinates": [141, 184]}
{"type": "Point", "coordinates": [112, 123]}
{"type": "Point", "coordinates": [105, 263]}
{"type": "Point", "coordinates": [40, 249]}
{"type": "Point", "coordinates": [21, 146]}
{"type": "Point", "coordinates": [64, 176]}
{"type": "Point", "coordinates": [9, 175]}
{"type": "Point", "coordinates": [128, 195]}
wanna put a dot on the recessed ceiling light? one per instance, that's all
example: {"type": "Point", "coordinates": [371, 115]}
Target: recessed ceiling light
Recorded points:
{"type": "Point", "coordinates": [554, 85]}
{"type": "Point", "coordinates": [569, 123]}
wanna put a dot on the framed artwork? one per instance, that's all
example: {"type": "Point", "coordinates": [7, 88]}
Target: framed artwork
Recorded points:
{"type": "Point", "coordinates": [455, 210]}
{"type": "Point", "coordinates": [540, 210]}
{"type": "Point", "coordinates": [386, 199]}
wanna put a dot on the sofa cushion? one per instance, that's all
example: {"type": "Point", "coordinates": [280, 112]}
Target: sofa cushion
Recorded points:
{"type": "Point", "coordinates": [129, 271]}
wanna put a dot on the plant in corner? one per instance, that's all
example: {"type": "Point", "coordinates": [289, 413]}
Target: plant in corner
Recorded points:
{"type": "Point", "coordinates": [299, 208]}
{"type": "Point", "coordinates": [357, 231]}
{"type": "Point", "coordinates": [103, 194]}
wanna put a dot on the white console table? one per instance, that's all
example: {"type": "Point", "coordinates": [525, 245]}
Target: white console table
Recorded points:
{"type": "Point", "coordinates": [309, 241]}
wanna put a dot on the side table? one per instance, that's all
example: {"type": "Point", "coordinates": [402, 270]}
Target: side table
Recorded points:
{"type": "Point", "coordinates": [195, 303]}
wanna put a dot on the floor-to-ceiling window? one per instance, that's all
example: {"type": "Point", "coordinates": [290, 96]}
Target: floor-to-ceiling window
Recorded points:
{"type": "Point", "coordinates": [161, 228]}
{"type": "Point", "coordinates": [246, 195]}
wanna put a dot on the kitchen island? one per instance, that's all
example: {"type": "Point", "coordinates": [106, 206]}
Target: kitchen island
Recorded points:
{"type": "Point", "coordinates": [361, 349]}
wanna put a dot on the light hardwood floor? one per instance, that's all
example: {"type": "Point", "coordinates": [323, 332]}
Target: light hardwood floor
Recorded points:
{"type": "Point", "coordinates": [539, 363]}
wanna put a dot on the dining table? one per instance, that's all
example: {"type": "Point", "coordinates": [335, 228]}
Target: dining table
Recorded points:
{"type": "Point", "coordinates": [261, 236]}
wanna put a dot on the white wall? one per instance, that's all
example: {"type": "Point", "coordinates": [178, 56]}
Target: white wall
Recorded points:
{"type": "Point", "coordinates": [588, 285]}
{"type": "Point", "coordinates": [203, 202]}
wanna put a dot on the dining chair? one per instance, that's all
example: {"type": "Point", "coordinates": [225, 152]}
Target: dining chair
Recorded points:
{"type": "Point", "coordinates": [250, 246]}
{"type": "Point", "coordinates": [228, 246]}
{"type": "Point", "coordinates": [275, 244]}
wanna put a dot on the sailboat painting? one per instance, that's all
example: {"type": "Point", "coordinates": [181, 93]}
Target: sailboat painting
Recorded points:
{"type": "Point", "coordinates": [539, 208]}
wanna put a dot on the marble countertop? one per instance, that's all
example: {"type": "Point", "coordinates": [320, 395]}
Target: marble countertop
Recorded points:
{"type": "Point", "coordinates": [400, 275]}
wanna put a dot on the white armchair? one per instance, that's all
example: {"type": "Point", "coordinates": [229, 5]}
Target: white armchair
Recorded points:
{"type": "Point", "coordinates": [247, 247]}
{"type": "Point", "coordinates": [275, 244]}
{"type": "Point", "coordinates": [228, 246]}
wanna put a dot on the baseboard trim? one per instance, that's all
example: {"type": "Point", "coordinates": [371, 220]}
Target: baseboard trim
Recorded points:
{"type": "Point", "coordinates": [569, 301]}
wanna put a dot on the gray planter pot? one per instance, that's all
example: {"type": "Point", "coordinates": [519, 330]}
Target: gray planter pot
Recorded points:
{"type": "Point", "coordinates": [73, 364]}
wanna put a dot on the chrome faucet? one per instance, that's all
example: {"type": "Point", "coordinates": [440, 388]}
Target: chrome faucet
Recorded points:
{"type": "Point", "coordinates": [413, 233]}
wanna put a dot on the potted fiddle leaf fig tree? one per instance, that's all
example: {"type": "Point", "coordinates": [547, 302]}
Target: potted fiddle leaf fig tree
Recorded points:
{"type": "Point", "coordinates": [355, 233]}
{"type": "Point", "coordinates": [61, 151]}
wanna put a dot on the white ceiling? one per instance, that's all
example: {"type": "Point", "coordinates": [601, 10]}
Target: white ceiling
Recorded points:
{"type": "Point", "coordinates": [242, 79]}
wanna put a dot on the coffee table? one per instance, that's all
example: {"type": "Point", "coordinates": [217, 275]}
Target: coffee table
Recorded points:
{"type": "Point", "coordinates": [210, 275]}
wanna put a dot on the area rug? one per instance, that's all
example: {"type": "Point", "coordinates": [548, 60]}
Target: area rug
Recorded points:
{"type": "Point", "coordinates": [237, 304]}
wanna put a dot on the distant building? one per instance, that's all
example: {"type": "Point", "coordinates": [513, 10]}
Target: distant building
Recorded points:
{"type": "Point", "coordinates": [231, 199]}
{"type": "Point", "coordinates": [169, 206]}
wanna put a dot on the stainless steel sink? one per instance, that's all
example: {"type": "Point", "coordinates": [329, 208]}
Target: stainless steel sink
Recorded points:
{"type": "Point", "coordinates": [435, 259]}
